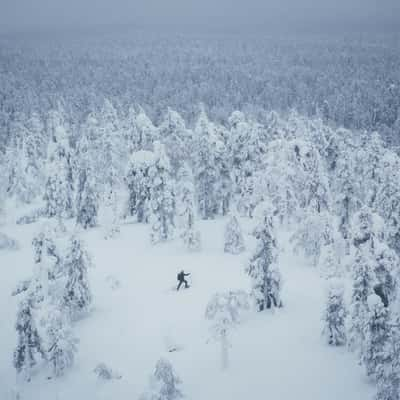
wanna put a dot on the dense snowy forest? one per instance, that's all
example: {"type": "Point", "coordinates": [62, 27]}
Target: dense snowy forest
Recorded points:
{"type": "Point", "coordinates": [284, 147]}
{"type": "Point", "coordinates": [351, 80]}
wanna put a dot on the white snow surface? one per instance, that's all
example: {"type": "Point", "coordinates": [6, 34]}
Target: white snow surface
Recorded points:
{"type": "Point", "coordinates": [275, 355]}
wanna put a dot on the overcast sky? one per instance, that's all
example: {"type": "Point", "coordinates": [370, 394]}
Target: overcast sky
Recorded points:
{"type": "Point", "coordinates": [27, 14]}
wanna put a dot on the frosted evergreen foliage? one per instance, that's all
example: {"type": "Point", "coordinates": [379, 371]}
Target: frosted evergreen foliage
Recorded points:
{"type": "Point", "coordinates": [138, 181]}
{"type": "Point", "coordinates": [110, 214]}
{"type": "Point", "coordinates": [387, 200]}
{"type": "Point", "coordinates": [89, 151]}
{"type": "Point", "coordinates": [87, 201]}
{"type": "Point", "coordinates": [146, 132]}
{"type": "Point", "coordinates": [330, 262]}
{"type": "Point", "coordinates": [345, 191]}
{"type": "Point", "coordinates": [175, 137]}
{"type": "Point", "coordinates": [369, 156]}
{"type": "Point", "coordinates": [29, 348]}
{"type": "Point", "coordinates": [114, 152]}
{"type": "Point", "coordinates": [224, 186]}
{"type": "Point", "coordinates": [186, 209]}
{"type": "Point", "coordinates": [296, 178]}
{"type": "Point", "coordinates": [44, 243]}
{"type": "Point", "coordinates": [164, 383]}
{"type": "Point", "coordinates": [234, 242]}
{"type": "Point", "coordinates": [162, 198]}
{"type": "Point", "coordinates": [224, 311]}
{"type": "Point", "coordinates": [263, 266]}
{"type": "Point", "coordinates": [247, 148]}
{"type": "Point", "coordinates": [314, 232]}
{"type": "Point", "coordinates": [388, 372]}
{"type": "Point", "coordinates": [363, 280]}
{"type": "Point", "coordinates": [363, 231]}
{"type": "Point", "coordinates": [48, 260]}
{"type": "Point", "coordinates": [59, 187]}
{"type": "Point", "coordinates": [206, 170]}
{"type": "Point", "coordinates": [377, 336]}
{"type": "Point", "coordinates": [62, 344]}
{"type": "Point", "coordinates": [77, 293]}
{"type": "Point", "coordinates": [279, 179]}
{"type": "Point", "coordinates": [26, 166]}
{"type": "Point", "coordinates": [334, 315]}
{"type": "Point", "coordinates": [387, 270]}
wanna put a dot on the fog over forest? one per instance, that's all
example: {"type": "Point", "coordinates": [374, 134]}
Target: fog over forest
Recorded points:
{"type": "Point", "coordinates": [222, 14]}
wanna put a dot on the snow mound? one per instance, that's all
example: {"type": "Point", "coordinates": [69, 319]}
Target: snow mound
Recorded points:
{"type": "Point", "coordinates": [374, 301]}
{"type": "Point", "coordinates": [106, 373]}
{"type": "Point", "coordinates": [7, 243]}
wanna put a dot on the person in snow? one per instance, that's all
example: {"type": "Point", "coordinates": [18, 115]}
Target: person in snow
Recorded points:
{"type": "Point", "coordinates": [181, 279]}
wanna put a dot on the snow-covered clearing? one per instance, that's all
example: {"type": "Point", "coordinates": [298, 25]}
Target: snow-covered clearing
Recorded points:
{"type": "Point", "coordinates": [278, 355]}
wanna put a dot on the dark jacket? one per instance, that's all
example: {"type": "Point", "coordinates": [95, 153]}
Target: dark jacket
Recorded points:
{"type": "Point", "coordinates": [181, 276]}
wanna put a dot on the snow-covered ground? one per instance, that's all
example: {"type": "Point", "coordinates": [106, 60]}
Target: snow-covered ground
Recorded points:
{"type": "Point", "coordinates": [278, 355]}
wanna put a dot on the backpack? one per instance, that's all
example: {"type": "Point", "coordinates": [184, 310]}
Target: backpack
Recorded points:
{"type": "Point", "coordinates": [178, 276]}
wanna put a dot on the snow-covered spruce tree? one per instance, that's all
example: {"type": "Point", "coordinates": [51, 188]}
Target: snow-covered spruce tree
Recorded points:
{"type": "Point", "coordinates": [89, 149]}
{"type": "Point", "coordinates": [246, 147]}
{"type": "Point", "coordinates": [44, 243]}
{"type": "Point", "coordinates": [345, 183]}
{"type": "Point", "coordinates": [205, 168]}
{"type": "Point", "coordinates": [224, 311]}
{"type": "Point", "coordinates": [111, 212]}
{"type": "Point", "coordinates": [363, 280]}
{"type": "Point", "coordinates": [368, 234]}
{"type": "Point", "coordinates": [47, 268]}
{"type": "Point", "coordinates": [295, 178]}
{"type": "Point", "coordinates": [16, 158]}
{"type": "Point", "coordinates": [364, 230]}
{"type": "Point", "coordinates": [263, 266]}
{"type": "Point", "coordinates": [47, 257]}
{"type": "Point", "coordinates": [369, 159]}
{"type": "Point", "coordinates": [376, 331]}
{"type": "Point", "coordinates": [309, 176]}
{"type": "Point", "coordinates": [59, 186]}
{"type": "Point", "coordinates": [25, 158]}
{"type": "Point", "coordinates": [29, 343]}
{"type": "Point", "coordinates": [314, 232]}
{"type": "Point", "coordinates": [224, 186]}
{"type": "Point", "coordinates": [87, 200]}
{"type": "Point", "coordinates": [330, 262]}
{"type": "Point", "coordinates": [62, 344]}
{"type": "Point", "coordinates": [77, 294]}
{"type": "Point", "coordinates": [164, 384]}
{"type": "Point", "coordinates": [162, 197]}
{"type": "Point", "coordinates": [387, 271]}
{"type": "Point", "coordinates": [114, 151]}
{"type": "Point", "coordinates": [129, 130]}
{"type": "Point", "coordinates": [387, 200]}
{"type": "Point", "coordinates": [146, 132]}
{"type": "Point", "coordinates": [234, 242]}
{"type": "Point", "coordinates": [138, 181]}
{"type": "Point", "coordinates": [186, 209]}
{"type": "Point", "coordinates": [388, 373]}
{"type": "Point", "coordinates": [334, 315]}
{"type": "Point", "coordinates": [175, 137]}
{"type": "Point", "coordinates": [278, 179]}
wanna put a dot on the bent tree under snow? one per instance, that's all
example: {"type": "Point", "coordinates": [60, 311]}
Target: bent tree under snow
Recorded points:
{"type": "Point", "coordinates": [224, 311]}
